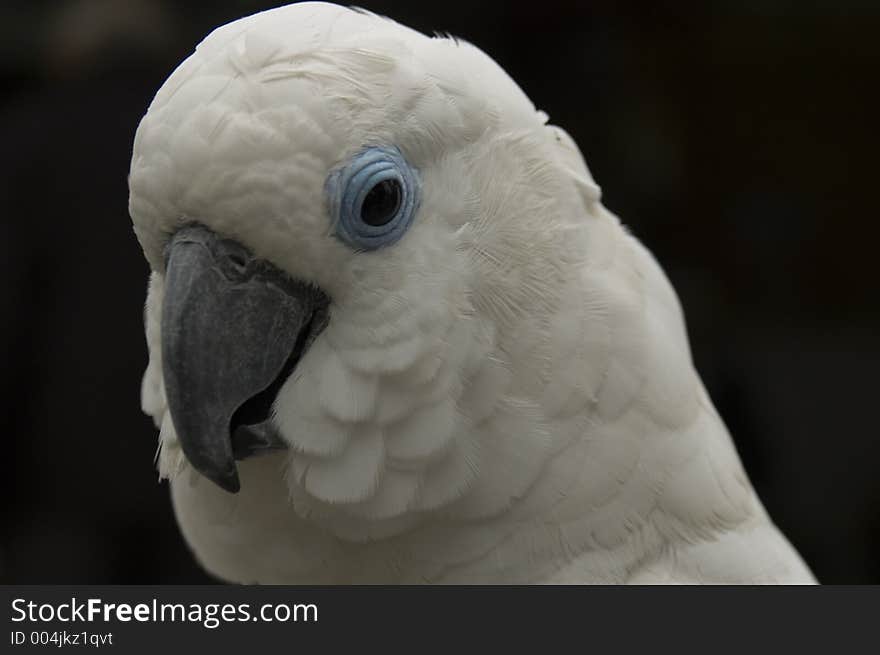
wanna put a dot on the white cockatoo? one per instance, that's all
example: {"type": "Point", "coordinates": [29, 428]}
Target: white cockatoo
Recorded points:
{"type": "Point", "coordinates": [395, 337]}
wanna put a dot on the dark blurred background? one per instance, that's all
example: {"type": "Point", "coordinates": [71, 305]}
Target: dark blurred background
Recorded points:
{"type": "Point", "coordinates": [737, 139]}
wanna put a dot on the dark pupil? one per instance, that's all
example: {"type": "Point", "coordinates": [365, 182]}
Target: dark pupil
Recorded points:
{"type": "Point", "coordinates": [381, 203]}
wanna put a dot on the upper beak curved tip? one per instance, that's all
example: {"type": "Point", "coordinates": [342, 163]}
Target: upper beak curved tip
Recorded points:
{"type": "Point", "coordinates": [229, 482]}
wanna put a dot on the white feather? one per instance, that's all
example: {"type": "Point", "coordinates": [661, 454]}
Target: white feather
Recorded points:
{"type": "Point", "coordinates": [352, 476]}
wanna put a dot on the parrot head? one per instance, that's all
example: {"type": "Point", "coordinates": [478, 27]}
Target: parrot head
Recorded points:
{"type": "Point", "coordinates": [395, 336]}
{"type": "Point", "coordinates": [359, 237]}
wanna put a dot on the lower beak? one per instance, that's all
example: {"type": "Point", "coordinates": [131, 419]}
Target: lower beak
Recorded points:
{"type": "Point", "coordinates": [233, 329]}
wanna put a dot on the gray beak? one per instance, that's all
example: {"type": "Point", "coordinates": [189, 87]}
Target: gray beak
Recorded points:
{"type": "Point", "coordinates": [233, 329]}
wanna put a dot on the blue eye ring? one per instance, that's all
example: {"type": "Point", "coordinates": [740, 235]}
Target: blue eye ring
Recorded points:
{"type": "Point", "coordinates": [375, 169]}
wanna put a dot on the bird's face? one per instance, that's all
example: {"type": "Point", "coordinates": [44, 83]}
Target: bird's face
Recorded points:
{"type": "Point", "coordinates": [334, 210]}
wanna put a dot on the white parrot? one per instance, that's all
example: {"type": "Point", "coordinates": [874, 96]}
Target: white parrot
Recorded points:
{"type": "Point", "coordinates": [395, 337]}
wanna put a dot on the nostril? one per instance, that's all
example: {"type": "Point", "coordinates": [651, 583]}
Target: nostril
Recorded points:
{"type": "Point", "coordinates": [238, 260]}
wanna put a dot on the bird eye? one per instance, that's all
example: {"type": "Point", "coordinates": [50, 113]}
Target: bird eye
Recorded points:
{"type": "Point", "coordinates": [373, 198]}
{"type": "Point", "coordinates": [381, 203]}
